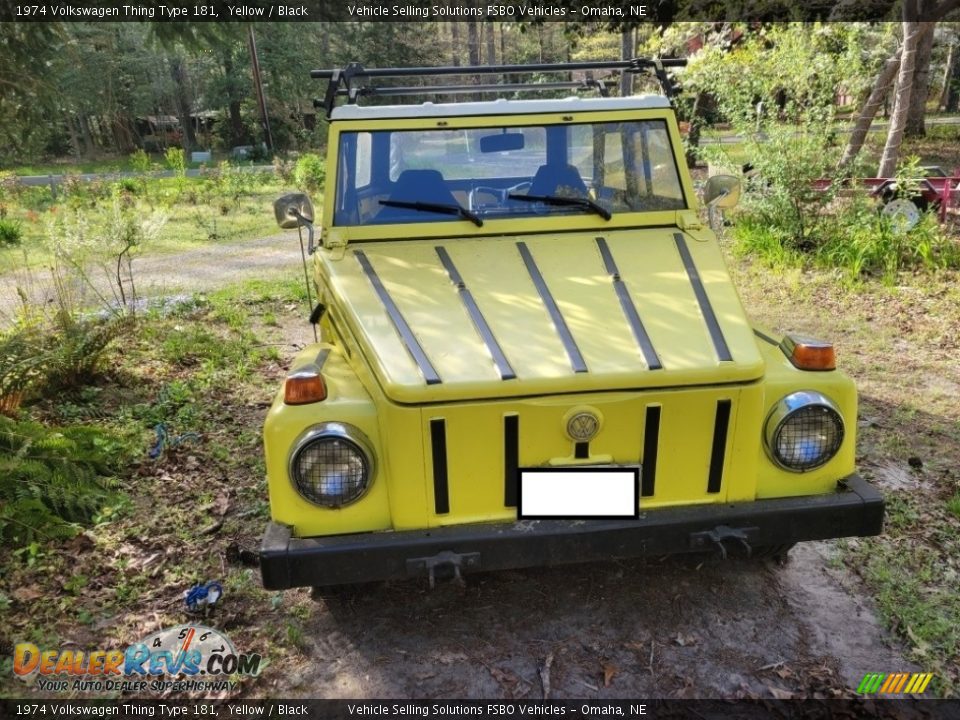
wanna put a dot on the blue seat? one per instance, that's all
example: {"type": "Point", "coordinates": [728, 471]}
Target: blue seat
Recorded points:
{"type": "Point", "coordinates": [427, 186]}
{"type": "Point", "coordinates": [558, 179]}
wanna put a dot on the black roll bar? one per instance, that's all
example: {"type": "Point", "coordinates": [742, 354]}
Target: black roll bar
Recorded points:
{"type": "Point", "coordinates": [352, 81]}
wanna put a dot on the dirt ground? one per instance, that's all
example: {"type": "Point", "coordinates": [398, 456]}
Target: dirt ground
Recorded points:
{"type": "Point", "coordinates": [675, 627]}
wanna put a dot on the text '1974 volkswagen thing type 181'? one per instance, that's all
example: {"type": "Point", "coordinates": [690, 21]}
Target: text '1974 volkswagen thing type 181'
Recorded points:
{"type": "Point", "coordinates": [530, 351]}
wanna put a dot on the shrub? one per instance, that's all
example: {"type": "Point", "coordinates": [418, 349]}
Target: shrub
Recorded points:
{"type": "Point", "coordinates": [234, 182]}
{"type": "Point", "coordinates": [140, 161]}
{"type": "Point", "coordinates": [283, 169]}
{"type": "Point", "coordinates": [11, 232]}
{"type": "Point", "coordinates": [176, 160]}
{"type": "Point", "coordinates": [21, 366]}
{"type": "Point", "coordinates": [51, 478]}
{"type": "Point", "coordinates": [77, 349]}
{"type": "Point", "coordinates": [309, 172]}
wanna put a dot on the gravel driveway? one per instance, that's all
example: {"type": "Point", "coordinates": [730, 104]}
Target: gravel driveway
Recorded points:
{"type": "Point", "coordinates": [206, 268]}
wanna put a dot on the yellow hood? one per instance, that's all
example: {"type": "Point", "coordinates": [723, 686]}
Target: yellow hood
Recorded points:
{"type": "Point", "coordinates": [443, 320]}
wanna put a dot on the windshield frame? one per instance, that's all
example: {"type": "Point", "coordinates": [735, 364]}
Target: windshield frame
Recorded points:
{"type": "Point", "coordinates": [512, 224]}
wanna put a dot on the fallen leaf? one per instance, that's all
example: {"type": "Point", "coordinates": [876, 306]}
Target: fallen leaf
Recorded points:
{"type": "Point", "coordinates": [507, 679]}
{"type": "Point", "coordinates": [221, 504]}
{"type": "Point", "coordinates": [780, 693]}
{"type": "Point", "coordinates": [609, 672]}
{"type": "Point", "coordinates": [27, 593]}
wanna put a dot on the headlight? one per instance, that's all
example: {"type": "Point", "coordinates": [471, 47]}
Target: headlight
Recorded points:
{"type": "Point", "coordinates": [332, 465]}
{"type": "Point", "coordinates": [804, 431]}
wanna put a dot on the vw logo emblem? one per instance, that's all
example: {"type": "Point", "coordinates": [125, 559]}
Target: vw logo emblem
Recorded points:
{"type": "Point", "coordinates": [583, 426]}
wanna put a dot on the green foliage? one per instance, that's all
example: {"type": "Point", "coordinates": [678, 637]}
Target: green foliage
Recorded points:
{"type": "Point", "coordinates": [778, 90]}
{"type": "Point", "coordinates": [78, 348]}
{"type": "Point", "coordinates": [51, 478]}
{"type": "Point", "coordinates": [780, 189]}
{"type": "Point", "coordinates": [11, 231]}
{"type": "Point", "coordinates": [794, 69]}
{"type": "Point", "coordinates": [953, 505]}
{"type": "Point", "coordinates": [21, 366]}
{"type": "Point", "coordinates": [309, 172]}
{"type": "Point", "coordinates": [233, 183]}
{"type": "Point", "coordinates": [176, 160]}
{"type": "Point", "coordinates": [140, 161]}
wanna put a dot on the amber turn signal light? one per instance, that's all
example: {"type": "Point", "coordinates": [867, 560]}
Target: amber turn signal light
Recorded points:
{"type": "Point", "coordinates": [302, 388]}
{"type": "Point", "coordinates": [809, 354]}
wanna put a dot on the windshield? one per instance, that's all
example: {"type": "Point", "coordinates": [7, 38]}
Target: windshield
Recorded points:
{"type": "Point", "coordinates": [460, 175]}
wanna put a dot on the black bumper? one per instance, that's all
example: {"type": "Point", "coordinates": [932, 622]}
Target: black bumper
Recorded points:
{"type": "Point", "coordinates": [856, 509]}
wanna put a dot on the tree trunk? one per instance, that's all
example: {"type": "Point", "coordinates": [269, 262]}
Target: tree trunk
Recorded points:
{"type": "Point", "coordinates": [123, 132]}
{"type": "Point", "coordinates": [881, 87]}
{"type": "Point", "coordinates": [178, 73]}
{"type": "Point", "coordinates": [921, 83]}
{"type": "Point", "coordinates": [473, 42]}
{"type": "Point", "coordinates": [238, 132]}
{"type": "Point", "coordinates": [898, 118]}
{"type": "Point", "coordinates": [951, 84]}
{"type": "Point", "coordinates": [626, 53]}
{"type": "Point", "coordinates": [86, 135]}
{"type": "Point", "coordinates": [696, 125]}
{"type": "Point", "coordinates": [455, 43]}
{"type": "Point", "coordinates": [74, 138]}
{"type": "Point", "coordinates": [473, 51]}
{"type": "Point", "coordinates": [491, 44]}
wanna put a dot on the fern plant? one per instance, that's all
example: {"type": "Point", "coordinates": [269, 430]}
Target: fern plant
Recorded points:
{"type": "Point", "coordinates": [53, 478]}
{"type": "Point", "coordinates": [21, 367]}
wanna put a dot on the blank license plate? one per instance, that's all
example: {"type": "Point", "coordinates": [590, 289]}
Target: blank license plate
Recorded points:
{"type": "Point", "coordinates": [579, 493]}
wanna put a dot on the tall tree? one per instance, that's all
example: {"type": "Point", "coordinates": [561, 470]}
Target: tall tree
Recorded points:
{"type": "Point", "coordinates": [473, 42]}
{"type": "Point", "coordinates": [627, 51]}
{"type": "Point", "coordinates": [917, 111]}
{"type": "Point", "coordinates": [455, 50]}
{"type": "Point", "coordinates": [912, 31]}
{"type": "Point", "coordinates": [950, 94]}
{"type": "Point", "coordinates": [881, 87]}
{"type": "Point", "coordinates": [490, 43]}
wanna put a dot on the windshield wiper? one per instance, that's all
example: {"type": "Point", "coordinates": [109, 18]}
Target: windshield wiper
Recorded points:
{"type": "Point", "coordinates": [437, 208]}
{"type": "Point", "coordinates": [586, 203]}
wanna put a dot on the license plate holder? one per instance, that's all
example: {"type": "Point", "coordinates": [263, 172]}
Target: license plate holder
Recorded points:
{"type": "Point", "coordinates": [582, 492]}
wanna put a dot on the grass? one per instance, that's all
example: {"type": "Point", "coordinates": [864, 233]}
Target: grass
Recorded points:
{"type": "Point", "coordinates": [897, 340]}
{"type": "Point", "coordinates": [67, 166]}
{"type": "Point", "coordinates": [196, 214]}
{"type": "Point", "coordinates": [207, 371]}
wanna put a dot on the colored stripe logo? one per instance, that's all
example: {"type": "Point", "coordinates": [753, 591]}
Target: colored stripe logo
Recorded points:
{"type": "Point", "coordinates": [894, 683]}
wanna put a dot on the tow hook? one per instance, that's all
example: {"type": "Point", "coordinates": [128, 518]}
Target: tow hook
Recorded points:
{"type": "Point", "coordinates": [718, 536]}
{"type": "Point", "coordinates": [446, 561]}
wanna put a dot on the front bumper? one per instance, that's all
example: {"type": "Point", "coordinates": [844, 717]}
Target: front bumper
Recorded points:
{"type": "Point", "coordinates": [855, 509]}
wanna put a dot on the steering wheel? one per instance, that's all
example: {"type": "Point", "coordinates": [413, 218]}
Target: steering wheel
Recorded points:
{"type": "Point", "coordinates": [483, 190]}
{"type": "Point", "coordinates": [518, 188]}
{"type": "Point", "coordinates": [501, 194]}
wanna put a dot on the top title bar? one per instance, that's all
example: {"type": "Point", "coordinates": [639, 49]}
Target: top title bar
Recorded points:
{"type": "Point", "coordinates": [532, 11]}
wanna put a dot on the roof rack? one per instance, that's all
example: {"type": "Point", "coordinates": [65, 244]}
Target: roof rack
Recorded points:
{"type": "Point", "coordinates": [352, 81]}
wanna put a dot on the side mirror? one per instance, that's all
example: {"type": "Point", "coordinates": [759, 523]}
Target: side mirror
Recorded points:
{"type": "Point", "coordinates": [293, 210]}
{"type": "Point", "coordinates": [722, 191]}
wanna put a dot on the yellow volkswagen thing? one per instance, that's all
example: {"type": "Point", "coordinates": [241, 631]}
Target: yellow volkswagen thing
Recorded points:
{"type": "Point", "coordinates": [530, 351]}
